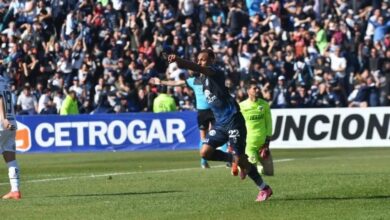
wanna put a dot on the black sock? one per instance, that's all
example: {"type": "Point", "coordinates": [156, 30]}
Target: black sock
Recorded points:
{"type": "Point", "coordinates": [255, 176]}
{"type": "Point", "coordinates": [219, 155]}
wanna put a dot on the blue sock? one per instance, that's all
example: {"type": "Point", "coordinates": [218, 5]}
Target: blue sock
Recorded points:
{"type": "Point", "coordinates": [202, 160]}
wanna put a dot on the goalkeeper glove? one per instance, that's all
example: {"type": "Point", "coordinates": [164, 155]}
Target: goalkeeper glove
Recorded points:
{"type": "Point", "coordinates": [264, 151]}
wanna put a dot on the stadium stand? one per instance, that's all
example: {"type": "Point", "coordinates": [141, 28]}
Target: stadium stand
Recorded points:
{"type": "Point", "coordinates": [311, 53]}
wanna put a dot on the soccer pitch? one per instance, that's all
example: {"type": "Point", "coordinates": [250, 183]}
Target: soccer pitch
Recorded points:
{"type": "Point", "coordinates": [309, 184]}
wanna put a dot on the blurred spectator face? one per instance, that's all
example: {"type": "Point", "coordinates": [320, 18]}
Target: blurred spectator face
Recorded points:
{"type": "Point", "coordinates": [4, 38]}
{"type": "Point", "coordinates": [190, 40]}
{"type": "Point", "coordinates": [146, 43]}
{"type": "Point", "coordinates": [279, 55]}
{"type": "Point", "coordinates": [228, 83]}
{"type": "Point", "coordinates": [12, 25]}
{"type": "Point", "coordinates": [26, 47]}
{"type": "Point", "coordinates": [337, 51]}
{"type": "Point", "coordinates": [301, 90]}
{"type": "Point", "coordinates": [176, 40]}
{"type": "Point", "coordinates": [230, 51]}
{"type": "Point", "coordinates": [121, 63]}
{"type": "Point", "coordinates": [322, 88]}
{"type": "Point", "coordinates": [381, 20]}
{"type": "Point", "coordinates": [13, 48]}
{"type": "Point", "coordinates": [377, 12]}
{"type": "Point", "coordinates": [188, 22]}
{"type": "Point", "coordinates": [245, 48]}
{"type": "Point", "coordinates": [387, 40]}
{"type": "Point", "coordinates": [269, 11]}
{"type": "Point", "coordinates": [281, 81]}
{"type": "Point", "coordinates": [27, 91]}
{"type": "Point", "coordinates": [387, 54]}
{"type": "Point", "coordinates": [289, 49]}
{"type": "Point", "coordinates": [373, 53]}
{"type": "Point", "coordinates": [67, 53]}
{"type": "Point", "coordinates": [244, 31]}
{"type": "Point", "coordinates": [109, 53]}
{"type": "Point", "coordinates": [84, 67]}
{"type": "Point", "coordinates": [270, 67]}
{"type": "Point", "coordinates": [75, 81]}
{"type": "Point", "coordinates": [41, 4]}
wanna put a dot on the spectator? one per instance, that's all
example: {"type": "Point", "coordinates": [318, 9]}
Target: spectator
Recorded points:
{"type": "Point", "coordinates": [44, 99]}
{"type": "Point", "coordinates": [27, 103]}
{"type": "Point", "coordinates": [281, 97]}
{"type": "Point", "coordinates": [300, 98]}
{"type": "Point", "coordinates": [58, 100]}
{"type": "Point", "coordinates": [49, 108]}
{"type": "Point", "coordinates": [321, 98]}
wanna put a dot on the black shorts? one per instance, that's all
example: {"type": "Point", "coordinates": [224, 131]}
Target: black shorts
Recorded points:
{"type": "Point", "coordinates": [233, 132]}
{"type": "Point", "coordinates": [205, 118]}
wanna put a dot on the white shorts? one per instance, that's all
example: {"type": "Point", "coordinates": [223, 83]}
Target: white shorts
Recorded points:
{"type": "Point", "coordinates": [7, 141]}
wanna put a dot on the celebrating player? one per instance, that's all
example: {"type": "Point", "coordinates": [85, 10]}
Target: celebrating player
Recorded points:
{"type": "Point", "coordinates": [229, 122]}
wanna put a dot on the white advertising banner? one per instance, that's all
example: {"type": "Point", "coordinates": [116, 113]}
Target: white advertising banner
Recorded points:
{"type": "Point", "coordinates": [331, 127]}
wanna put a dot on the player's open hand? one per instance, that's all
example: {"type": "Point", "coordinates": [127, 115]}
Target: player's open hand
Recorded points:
{"type": "Point", "coordinates": [172, 58]}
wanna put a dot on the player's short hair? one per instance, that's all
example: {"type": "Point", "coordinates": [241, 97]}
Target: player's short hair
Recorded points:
{"type": "Point", "coordinates": [72, 92]}
{"type": "Point", "coordinates": [250, 83]}
{"type": "Point", "coordinates": [209, 52]}
{"type": "Point", "coordinates": [163, 89]}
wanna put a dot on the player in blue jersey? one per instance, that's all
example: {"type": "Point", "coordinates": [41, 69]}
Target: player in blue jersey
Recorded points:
{"type": "Point", "coordinates": [229, 122]}
{"type": "Point", "coordinates": [205, 115]}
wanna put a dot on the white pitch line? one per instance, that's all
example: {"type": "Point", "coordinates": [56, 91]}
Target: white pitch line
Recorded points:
{"type": "Point", "coordinates": [127, 173]}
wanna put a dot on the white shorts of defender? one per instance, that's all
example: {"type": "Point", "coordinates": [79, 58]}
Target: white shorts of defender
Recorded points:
{"type": "Point", "coordinates": [7, 141]}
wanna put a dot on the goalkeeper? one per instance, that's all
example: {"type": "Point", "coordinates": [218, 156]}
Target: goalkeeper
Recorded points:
{"type": "Point", "coordinates": [258, 121]}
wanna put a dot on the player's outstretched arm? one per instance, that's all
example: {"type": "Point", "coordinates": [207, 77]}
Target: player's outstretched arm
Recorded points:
{"type": "Point", "coordinates": [157, 81]}
{"type": "Point", "coordinates": [186, 64]}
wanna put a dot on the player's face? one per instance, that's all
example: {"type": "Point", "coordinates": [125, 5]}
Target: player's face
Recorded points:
{"type": "Point", "coordinates": [203, 59]}
{"type": "Point", "coordinates": [254, 92]}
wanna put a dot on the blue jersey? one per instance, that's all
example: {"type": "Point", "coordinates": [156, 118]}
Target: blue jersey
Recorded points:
{"type": "Point", "coordinates": [217, 95]}
{"type": "Point", "coordinates": [196, 85]}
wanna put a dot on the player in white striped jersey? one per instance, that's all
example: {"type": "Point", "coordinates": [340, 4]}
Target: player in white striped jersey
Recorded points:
{"type": "Point", "coordinates": [7, 138]}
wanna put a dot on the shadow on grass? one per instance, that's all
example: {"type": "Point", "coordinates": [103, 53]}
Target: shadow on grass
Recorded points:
{"type": "Point", "coordinates": [113, 194]}
{"type": "Point", "coordinates": [334, 198]}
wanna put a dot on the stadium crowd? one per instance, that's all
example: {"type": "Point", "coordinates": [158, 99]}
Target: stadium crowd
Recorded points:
{"type": "Point", "coordinates": [314, 53]}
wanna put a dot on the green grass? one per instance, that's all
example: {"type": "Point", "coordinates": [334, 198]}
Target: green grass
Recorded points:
{"type": "Point", "coordinates": [316, 184]}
